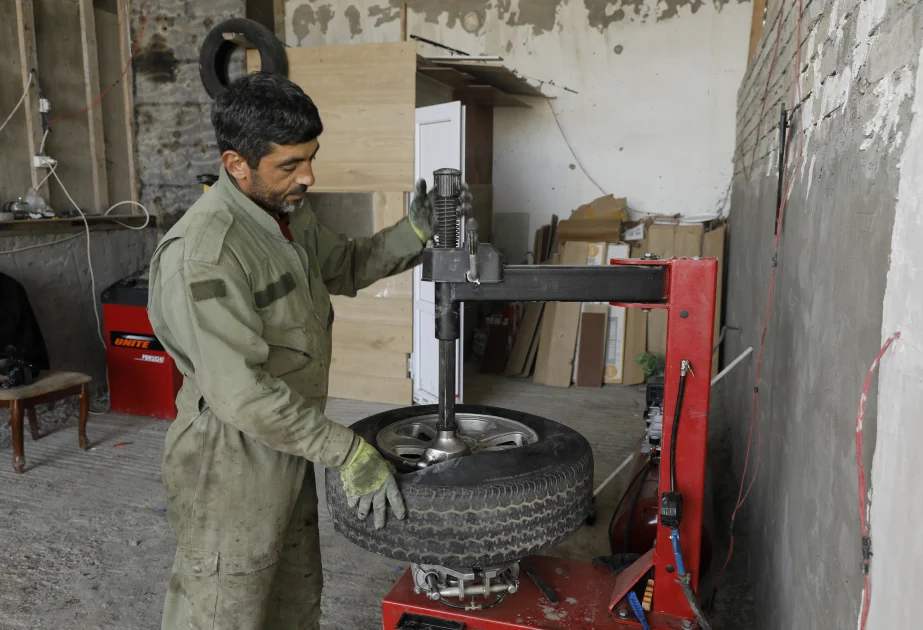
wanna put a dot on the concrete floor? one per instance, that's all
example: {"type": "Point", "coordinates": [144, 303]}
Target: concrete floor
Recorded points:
{"type": "Point", "coordinates": [84, 542]}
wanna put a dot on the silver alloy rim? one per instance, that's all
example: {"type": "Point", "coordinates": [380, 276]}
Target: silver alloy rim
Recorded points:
{"type": "Point", "coordinates": [406, 441]}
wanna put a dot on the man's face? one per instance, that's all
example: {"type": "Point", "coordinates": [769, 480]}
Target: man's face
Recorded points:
{"type": "Point", "coordinates": [281, 179]}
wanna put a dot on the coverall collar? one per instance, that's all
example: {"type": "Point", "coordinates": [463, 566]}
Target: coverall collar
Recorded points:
{"type": "Point", "coordinates": [229, 190]}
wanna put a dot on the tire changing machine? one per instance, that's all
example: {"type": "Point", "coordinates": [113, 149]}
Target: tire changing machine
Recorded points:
{"type": "Point", "coordinates": [560, 594]}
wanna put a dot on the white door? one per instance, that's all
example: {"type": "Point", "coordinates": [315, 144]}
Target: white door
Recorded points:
{"type": "Point", "coordinates": [440, 143]}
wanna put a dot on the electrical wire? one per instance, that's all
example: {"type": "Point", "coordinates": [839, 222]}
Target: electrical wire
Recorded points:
{"type": "Point", "coordinates": [25, 249]}
{"type": "Point", "coordinates": [25, 93]}
{"type": "Point", "coordinates": [134, 49]}
{"type": "Point", "coordinates": [860, 419]}
{"type": "Point", "coordinates": [571, 148]}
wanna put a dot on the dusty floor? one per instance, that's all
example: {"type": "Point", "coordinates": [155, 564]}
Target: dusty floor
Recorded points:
{"type": "Point", "coordinates": [84, 542]}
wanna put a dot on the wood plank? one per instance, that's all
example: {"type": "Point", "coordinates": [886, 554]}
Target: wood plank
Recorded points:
{"type": "Point", "coordinates": [713, 247]}
{"type": "Point", "coordinates": [395, 391]}
{"type": "Point", "coordinates": [525, 337]}
{"type": "Point", "coordinates": [58, 37]}
{"type": "Point", "coordinates": [479, 144]}
{"type": "Point", "coordinates": [447, 76]}
{"type": "Point", "coordinates": [387, 208]}
{"type": "Point", "coordinates": [97, 144]}
{"type": "Point", "coordinates": [366, 94]}
{"type": "Point", "coordinates": [100, 222]}
{"type": "Point", "coordinates": [398, 287]}
{"type": "Point", "coordinates": [495, 74]}
{"type": "Point", "coordinates": [366, 337]}
{"type": "Point", "coordinates": [347, 360]}
{"type": "Point", "coordinates": [25, 27]}
{"type": "Point", "coordinates": [430, 92]}
{"type": "Point", "coordinates": [557, 347]}
{"type": "Point", "coordinates": [128, 99]}
{"type": "Point", "coordinates": [592, 346]}
{"type": "Point", "coordinates": [756, 27]}
{"type": "Point", "coordinates": [373, 310]}
{"type": "Point", "coordinates": [488, 95]}
{"type": "Point", "coordinates": [117, 127]}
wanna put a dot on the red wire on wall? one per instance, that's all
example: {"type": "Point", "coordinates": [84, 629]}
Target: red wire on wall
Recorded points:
{"type": "Point", "coordinates": [102, 94]}
{"type": "Point", "coordinates": [860, 418]}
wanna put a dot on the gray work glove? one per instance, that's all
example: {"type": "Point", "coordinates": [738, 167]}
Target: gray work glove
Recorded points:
{"type": "Point", "coordinates": [423, 212]}
{"type": "Point", "coordinates": [378, 501]}
{"type": "Point", "coordinates": [368, 481]}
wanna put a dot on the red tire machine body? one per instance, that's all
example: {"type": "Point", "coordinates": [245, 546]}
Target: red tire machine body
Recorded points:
{"type": "Point", "coordinates": [577, 595]}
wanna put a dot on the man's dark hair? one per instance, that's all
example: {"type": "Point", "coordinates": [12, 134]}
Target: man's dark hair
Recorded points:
{"type": "Point", "coordinates": [260, 108]}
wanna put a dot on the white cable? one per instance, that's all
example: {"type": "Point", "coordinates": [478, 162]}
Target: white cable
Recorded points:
{"type": "Point", "coordinates": [608, 479]}
{"type": "Point", "coordinates": [720, 375]}
{"type": "Point", "coordinates": [15, 109]}
{"type": "Point", "coordinates": [25, 249]}
{"type": "Point", "coordinates": [147, 214]}
{"type": "Point", "coordinates": [86, 225]}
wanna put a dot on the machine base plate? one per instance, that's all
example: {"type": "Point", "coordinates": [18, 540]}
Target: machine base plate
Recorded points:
{"type": "Point", "coordinates": [583, 589]}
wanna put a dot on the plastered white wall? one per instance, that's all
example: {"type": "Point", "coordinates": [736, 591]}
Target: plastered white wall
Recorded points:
{"type": "Point", "coordinates": [653, 114]}
{"type": "Point", "coordinates": [896, 512]}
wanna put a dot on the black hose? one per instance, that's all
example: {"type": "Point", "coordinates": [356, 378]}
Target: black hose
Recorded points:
{"type": "Point", "coordinates": [674, 433]}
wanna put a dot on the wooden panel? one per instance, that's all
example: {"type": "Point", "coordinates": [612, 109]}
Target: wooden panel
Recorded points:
{"type": "Point", "coordinates": [366, 94]}
{"type": "Point", "coordinates": [387, 208]}
{"type": "Point", "coordinates": [483, 209]}
{"type": "Point", "coordinates": [487, 95]}
{"type": "Point", "coordinates": [528, 330]}
{"type": "Point", "coordinates": [431, 92]}
{"type": "Point", "coordinates": [396, 391]}
{"type": "Point", "coordinates": [496, 75]}
{"type": "Point", "coordinates": [58, 37]}
{"type": "Point", "coordinates": [368, 363]}
{"type": "Point", "coordinates": [559, 330]}
{"type": "Point", "coordinates": [21, 136]}
{"type": "Point", "coordinates": [363, 336]}
{"type": "Point", "coordinates": [373, 310]}
{"type": "Point", "coordinates": [118, 131]}
{"type": "Point", "coordinates": [399, 286]}
{"type": "Point", "coordinates": [94, 117]}
{"type": "Point", "coordinates": [687, 240]}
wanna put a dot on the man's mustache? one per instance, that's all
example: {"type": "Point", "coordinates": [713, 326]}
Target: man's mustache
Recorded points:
{"type": "Point", "coordinates": [298, 190]}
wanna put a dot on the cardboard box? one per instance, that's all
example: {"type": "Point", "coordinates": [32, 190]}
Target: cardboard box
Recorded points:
{"type": "Point", "coordinates": [669, 241]}
{"type": "Point", "coordinates": [590, 230]}
{"type": "Point", "coordinates": [607, 207]}
{"type": "Point", "coordinates": [558, 340]}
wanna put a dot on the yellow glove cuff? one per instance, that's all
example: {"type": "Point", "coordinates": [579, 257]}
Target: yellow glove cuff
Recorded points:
{"type": "Point", "coordinates": [365, 472]}
{"type": "Point", "coordinates": [419, 233]}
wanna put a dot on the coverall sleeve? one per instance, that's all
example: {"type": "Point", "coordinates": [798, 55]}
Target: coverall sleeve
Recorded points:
{"type": "Point", "coordinates": [213, 319]}
{"type": "Point", "coordinates": [348, 265]}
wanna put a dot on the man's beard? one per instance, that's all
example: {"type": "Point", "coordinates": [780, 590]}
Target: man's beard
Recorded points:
{"type": "Point", "coordinates": [274, 201]}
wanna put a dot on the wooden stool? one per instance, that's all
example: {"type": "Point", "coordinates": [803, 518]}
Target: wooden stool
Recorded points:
{"type": "Point", "coordinates": [49, 387]}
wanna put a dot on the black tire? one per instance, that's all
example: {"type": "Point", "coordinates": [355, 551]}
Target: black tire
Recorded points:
{"type": "Point", "coordinates": [216, 50]}
{"type": "Point", "coordinates": [482, 510]}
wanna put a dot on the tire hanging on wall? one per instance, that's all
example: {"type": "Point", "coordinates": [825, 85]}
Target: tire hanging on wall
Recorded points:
{"type": "Point", "coordinates": [216, 51]}
{"type": "Point", "coordinates": [482, 510]}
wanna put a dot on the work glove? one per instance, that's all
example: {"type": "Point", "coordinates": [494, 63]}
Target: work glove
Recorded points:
{"type": "Point", "coordinates": [369, 484]}
{"type": "Point", "coordinates": [423, 211]}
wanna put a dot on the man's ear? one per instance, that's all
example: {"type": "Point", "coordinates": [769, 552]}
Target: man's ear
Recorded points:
{"type": "Point", "coordinates": [236, 166]}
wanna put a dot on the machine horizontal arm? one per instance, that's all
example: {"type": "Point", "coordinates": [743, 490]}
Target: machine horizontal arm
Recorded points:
{"type": "Point", "coordinates": [638, 284]}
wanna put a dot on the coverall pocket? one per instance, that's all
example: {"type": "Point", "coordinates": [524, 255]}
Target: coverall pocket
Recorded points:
{"type": "Point", "coordinates": [199, 588]}
{"type": "Point", "coordinates": [289, 351]}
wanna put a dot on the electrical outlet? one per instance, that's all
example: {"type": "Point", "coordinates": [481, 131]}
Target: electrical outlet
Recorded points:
{"type": "Point", "coordinates": [43, 161]}
{"type": "Point", "coordinates": [44, 105]}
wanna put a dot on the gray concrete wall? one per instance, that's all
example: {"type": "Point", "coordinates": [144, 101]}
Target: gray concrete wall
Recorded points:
{"type": "Point", "coordinates": [858, 60]}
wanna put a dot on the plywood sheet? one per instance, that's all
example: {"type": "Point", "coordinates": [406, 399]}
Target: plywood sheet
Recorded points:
{"type": "Point", "coordinates": [367, 337]}
{"type": "Point", "coordinates": [395, 391]}
{"type": "Point", "coordinates": [396, 287]}
{"type": "Point", "coordinates": [366, 94]}
{"type": "Point", "coordinates": [495, 74]}
{"type": "Point", "coordinates": [525, 339]}
{"type": "Point", "coordinates": [373, 310]}
{"type": "Point", "coordinates": [592, 346]}
{"type": "Point", "coordinates": [347, 360]}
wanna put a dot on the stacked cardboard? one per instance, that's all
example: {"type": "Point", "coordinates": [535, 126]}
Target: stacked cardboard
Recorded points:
{"type": "Point", "coordinates": [596, 343]}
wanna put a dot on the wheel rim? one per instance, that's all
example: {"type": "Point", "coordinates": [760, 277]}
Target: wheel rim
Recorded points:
{"type": "Point", "coordinates": [406, 441]}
